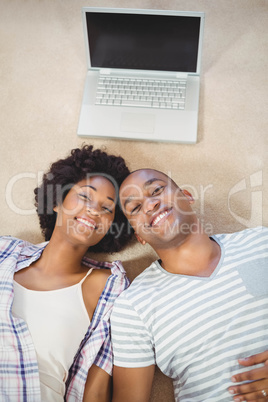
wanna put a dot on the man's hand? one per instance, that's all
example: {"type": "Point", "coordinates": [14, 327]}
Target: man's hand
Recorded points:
{"type": "Point", "coordinates": [257, 388]}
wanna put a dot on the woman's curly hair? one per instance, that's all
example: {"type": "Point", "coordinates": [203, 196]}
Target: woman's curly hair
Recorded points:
{"type": "Point", "coordinates": [65, 173]}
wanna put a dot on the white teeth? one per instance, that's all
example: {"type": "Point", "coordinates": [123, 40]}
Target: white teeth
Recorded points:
{"type": "Point", "coordinates": [87, 223]}
{"type": "Point", "coordinates": [159, 217]}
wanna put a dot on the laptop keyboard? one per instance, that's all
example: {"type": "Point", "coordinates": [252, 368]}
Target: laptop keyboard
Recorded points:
{"type": "Point", "coordinates": [125, 91]}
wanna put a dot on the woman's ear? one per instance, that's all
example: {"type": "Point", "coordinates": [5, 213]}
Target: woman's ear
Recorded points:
{"type": "Point", "coordinates": [188, 195]}
{"type": "Point", "coordinates": [140, 239]}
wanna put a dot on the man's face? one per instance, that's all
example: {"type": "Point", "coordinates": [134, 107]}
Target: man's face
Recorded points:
{"type": "Point", "coordinates": [157, 208]}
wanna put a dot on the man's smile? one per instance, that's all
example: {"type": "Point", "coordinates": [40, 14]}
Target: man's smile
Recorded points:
{"type": "Point", "coordinates": [160, 217]}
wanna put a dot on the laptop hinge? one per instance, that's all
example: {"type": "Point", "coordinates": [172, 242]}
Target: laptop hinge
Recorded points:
{"type": "Point", "coordinates": [182, 75]}
{"type": "Point", "coordinates": [105, 71]}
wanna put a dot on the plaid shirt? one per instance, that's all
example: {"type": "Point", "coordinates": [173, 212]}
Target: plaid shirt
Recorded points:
{"type": "Point", "coordinates": [19, 376]}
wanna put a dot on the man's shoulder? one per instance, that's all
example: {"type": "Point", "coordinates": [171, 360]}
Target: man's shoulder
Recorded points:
{"type": "Point", "coordinates": [142, 283]}
{"type": "Point", "coordinates": [260, 232]}
{"type": "Point", "coordinates": [144, 276]}
{"type": "Point", "coordinates": [137, 301]}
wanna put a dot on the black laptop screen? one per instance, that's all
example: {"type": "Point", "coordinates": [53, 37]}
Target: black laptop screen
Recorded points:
{"type": "Point", "coordinates": [143, 41]}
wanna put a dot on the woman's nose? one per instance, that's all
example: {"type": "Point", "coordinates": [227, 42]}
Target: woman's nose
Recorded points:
{"type": "Point", "coordinates": [93, 209]}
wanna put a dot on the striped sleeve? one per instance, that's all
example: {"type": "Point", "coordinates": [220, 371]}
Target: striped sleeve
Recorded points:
{"type": "Point", "coordinates": [131, 341]}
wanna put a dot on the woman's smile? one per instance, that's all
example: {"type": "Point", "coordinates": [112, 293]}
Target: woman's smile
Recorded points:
{"type": "Point", "coordinates": [89, 223]}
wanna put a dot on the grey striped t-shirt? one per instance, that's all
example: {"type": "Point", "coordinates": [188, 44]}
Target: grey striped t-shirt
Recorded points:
{"type": "Point", "coordinates": [196, 328]}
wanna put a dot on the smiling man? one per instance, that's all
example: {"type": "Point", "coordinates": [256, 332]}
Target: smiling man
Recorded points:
{"type": "Point", "coordinates": [198, 310]}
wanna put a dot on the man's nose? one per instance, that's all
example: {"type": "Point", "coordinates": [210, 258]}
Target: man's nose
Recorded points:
{"type": "Point", "coordinates": [151, 205]}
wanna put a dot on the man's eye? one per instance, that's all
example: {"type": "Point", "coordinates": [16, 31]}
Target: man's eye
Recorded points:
{"type": "Point", "coordinates": [135, 210]}
{"type": "Point", "coordinates": [158, 190]}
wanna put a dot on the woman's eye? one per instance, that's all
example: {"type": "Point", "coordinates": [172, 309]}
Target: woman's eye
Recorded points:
{"type": "Point", "coordinates": [158, 190]}
{"type": "Point", "coordinates": [108, 210]}
{"type": "Point", "coordinates": [84, 197]}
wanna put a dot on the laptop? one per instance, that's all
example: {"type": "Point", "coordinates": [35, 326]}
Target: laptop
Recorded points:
{"type": "Point", "coordinates": [143, 74]}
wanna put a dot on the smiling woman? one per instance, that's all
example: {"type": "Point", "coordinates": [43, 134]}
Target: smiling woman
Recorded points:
{"type": "Point", "coordinates": [88, 210]}
{"type": "Point", "coordinates": [58, 301]}
{"type": "Point", "coordinates": [61, 178]}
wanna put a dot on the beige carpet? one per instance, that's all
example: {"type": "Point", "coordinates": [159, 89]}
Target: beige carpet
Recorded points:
{"type": "Point", "coordinates": [42, 70]}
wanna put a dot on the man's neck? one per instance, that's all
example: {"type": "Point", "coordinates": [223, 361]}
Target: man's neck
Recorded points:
{"type": "Point", "coordinates": [197, 256]}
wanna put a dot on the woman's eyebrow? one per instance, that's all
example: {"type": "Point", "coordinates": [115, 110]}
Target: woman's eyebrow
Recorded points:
{"type": "Point", "coordinates": [110, 198]}
{"type": "Point", "coordinates": [89, 185]}
{"type": "Point", "coordinates": [94, 188]}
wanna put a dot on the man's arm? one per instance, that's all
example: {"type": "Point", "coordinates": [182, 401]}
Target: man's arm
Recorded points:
{"type": "Point", "coordinates": [258, 386]}
{"type": "Point", "coordinates": [98, 386]}
{"type": "Point", "coordinates": [132, 384]}
{"type": "Point", "coordinates": [134, 357]}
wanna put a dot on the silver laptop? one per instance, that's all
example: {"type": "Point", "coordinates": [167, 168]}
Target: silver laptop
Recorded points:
{"type": "Point", "coordinates": [143, 74]}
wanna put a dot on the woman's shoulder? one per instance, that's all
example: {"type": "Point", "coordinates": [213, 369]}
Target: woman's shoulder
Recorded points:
{"type": "Point", "coordinates": [8, 244]}
{"type": "Point", "coordinates": [96, 280]}
{"type": "Point", "coordinates": [101, 275]}
{"type": "Point", "coordinates": [93, 287]}
{"type": "Point", "coordinates": [9, 239]}
{"type": "Point", "coordinates": [115, 268]}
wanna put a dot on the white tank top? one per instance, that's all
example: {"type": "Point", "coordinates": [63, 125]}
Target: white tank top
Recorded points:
{"type": "Point", "coordinates": [57, 321]}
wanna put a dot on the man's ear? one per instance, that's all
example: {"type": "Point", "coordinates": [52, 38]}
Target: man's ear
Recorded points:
{"type": "Point", "coordinates": [188, 195]}
{"type": "Point", "coordinates": [56, 209]}
{"type": "Point", "coordinates": [140, 239]}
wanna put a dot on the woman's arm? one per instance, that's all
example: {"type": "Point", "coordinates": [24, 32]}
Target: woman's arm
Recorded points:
{"type": "Point", "coordinates": [98, 386]}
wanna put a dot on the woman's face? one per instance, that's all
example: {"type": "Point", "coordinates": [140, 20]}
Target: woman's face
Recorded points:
{"type": "Point", "coordinates": [87, 211]}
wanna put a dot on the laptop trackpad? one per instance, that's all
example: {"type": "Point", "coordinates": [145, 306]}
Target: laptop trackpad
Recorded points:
{"type": "Point", "coordinates": [138, 122]}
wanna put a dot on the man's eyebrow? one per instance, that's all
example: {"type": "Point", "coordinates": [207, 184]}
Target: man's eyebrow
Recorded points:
{"type": "Point", "coordinates": [145, 186]}
{"type": "Point", "coordinates": [94, 188]}
{"type": "Point", "coordinates": [128, 200]}
{"type": "Point", "coordinates": [151, 181]}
